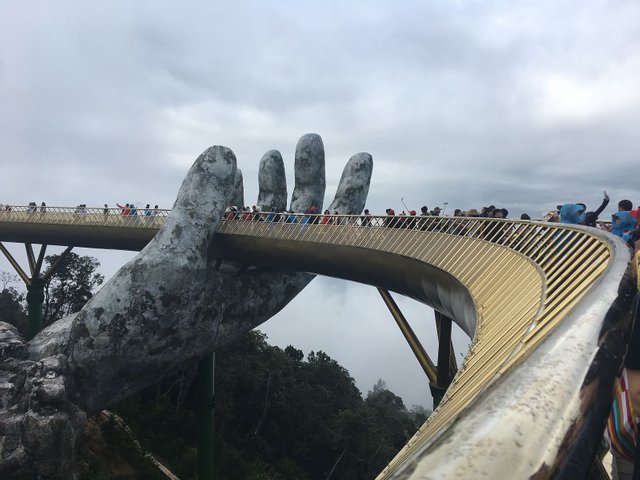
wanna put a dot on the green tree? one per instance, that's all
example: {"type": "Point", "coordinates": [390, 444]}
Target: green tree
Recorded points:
{"type": "Point", "coordinates": [275, 408]}
{"type": "Point", "coordinates": [71, 286]}
{"type": "Point", "coordinates": [12, 309]}
{"type": "Point", "coordinates": [278, 416]}
{"type": "Point", "coordinates": [419, 414]}
{"type": "Point", "coordinates": [391, 423]}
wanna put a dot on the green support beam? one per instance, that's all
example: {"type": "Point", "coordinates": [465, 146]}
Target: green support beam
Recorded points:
{"type": "Point", "coordinates": [35, 285]}
{"type": "Point", "coordinates": [447, 367]}
{"type": "Point", "coordinates": [35, 301]}
{"type": "Point", "coordinates": [204, 415]}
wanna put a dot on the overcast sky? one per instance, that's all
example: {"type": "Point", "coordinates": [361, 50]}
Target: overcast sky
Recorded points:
{"type": "Point", "coordinates": [524, 105]}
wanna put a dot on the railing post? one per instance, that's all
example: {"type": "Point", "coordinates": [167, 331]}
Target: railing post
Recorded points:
{"type": "Point", "coordinates": [204, 414]}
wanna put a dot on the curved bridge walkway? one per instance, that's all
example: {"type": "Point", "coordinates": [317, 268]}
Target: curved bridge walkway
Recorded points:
{"type": "Point", "coordinates": [535, 297]}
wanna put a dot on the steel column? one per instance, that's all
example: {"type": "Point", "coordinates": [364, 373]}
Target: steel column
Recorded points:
{"type": "Point", "coordinates": [445, 353]}
{"type": "Point", "coordinates": [204, 415]}
{"type": "Point", "coordinates": [447, 366]}
{"type": "Point", "coordinates": [420, 353]}
{"type": "Point", "coordinates": [35, 300]}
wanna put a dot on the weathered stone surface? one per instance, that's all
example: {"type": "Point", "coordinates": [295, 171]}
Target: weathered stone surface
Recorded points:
{"type": "Point", "coordinates": [354, 185]}
{"type": "Point", "coordinates": [237, 192]}
{"type": "Point", "coordinates": [167, 308]}
{"type": "Point", "coordinates": [38, 426]}
{"type": "Point", "coordinates": [273, 183]}
{"type": "Point", "coordinates": [11, 343]}
{"type": "Point", "coordinates": [310, 174]}
{"type": "Point", "coordinates": [50, 390]}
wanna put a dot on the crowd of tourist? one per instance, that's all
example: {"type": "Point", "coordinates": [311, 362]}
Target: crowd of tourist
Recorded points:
{"type": "Point", "coordinates": [311, 215]}
{"type": "Point", "coordinates": [624, 223]}
{"type": "Point", "coordinates": [129, 209]}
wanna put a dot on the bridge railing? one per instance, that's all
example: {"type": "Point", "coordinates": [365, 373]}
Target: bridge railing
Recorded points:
{"type": "Point", "coordinates": [542, 243]}
{"type": "Point", "coordinates": [525, 278]}
{"type": "Point", "coordinates": [91, 216]}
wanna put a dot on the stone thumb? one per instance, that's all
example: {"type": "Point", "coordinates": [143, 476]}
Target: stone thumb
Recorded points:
{"type": "Point", "coordinates": [201, 202]}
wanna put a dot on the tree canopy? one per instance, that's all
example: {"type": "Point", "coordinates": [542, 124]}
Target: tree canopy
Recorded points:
{"type": "Point", "coordinates": [277, 416]}
{"type": "Point", "coordinates": [12, 306]}
{"type": "Point", "coordinates": [71, 285]}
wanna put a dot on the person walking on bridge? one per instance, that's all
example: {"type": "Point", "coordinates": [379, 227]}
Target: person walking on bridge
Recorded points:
{"type": "Point", "coordinates": [124, 210]}
{"type": "Point", "coordinates": [365, 219]}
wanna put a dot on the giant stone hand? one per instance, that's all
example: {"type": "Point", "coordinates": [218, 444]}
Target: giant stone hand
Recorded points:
{"type": "Point", "coordinates": [170, 306]}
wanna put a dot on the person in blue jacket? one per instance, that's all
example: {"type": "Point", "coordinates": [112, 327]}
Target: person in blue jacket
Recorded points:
{"type": "Point", "coordinates": [622, 222]}
{"type": "Point", "coordinates": [572, 213]}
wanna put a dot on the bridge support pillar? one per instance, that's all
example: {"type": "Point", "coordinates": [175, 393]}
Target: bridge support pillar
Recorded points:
{"type": "Point", "coordinates": [36, 283]}
{"type": "Point", "coordinates": [437, 392]}
{"type": "Point", "coordinates": [447, 366]}
{"type": "Point", "coordinates": [204, 416]}
{"type": "Point", "coordinates": [35, 301]}
{"type": "Point", "coordinates": [417, 348]}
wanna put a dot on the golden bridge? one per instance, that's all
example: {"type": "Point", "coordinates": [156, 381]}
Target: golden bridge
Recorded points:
{"type": "Point", "coordinates": [547, 306]}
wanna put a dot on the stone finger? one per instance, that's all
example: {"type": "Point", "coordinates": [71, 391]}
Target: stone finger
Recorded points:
{"type": "Point", "coordinates": [309, 174]}
{"type": "Point", "coordinates": [237, 192]}
{"type": "Point", "coordinates": [353, 188]}
{"type": "Point", "coordinates": [272, 182]}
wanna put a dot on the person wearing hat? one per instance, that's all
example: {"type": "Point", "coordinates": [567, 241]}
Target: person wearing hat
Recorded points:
{"type": "Point", "coordinates": [472, 212]}
{"type": "Point", "coordinates": [390, 222]}
{"type": "Point", "coordinates": [411, 222]}
{"type": "Point", "coordinates": [436, 212]}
